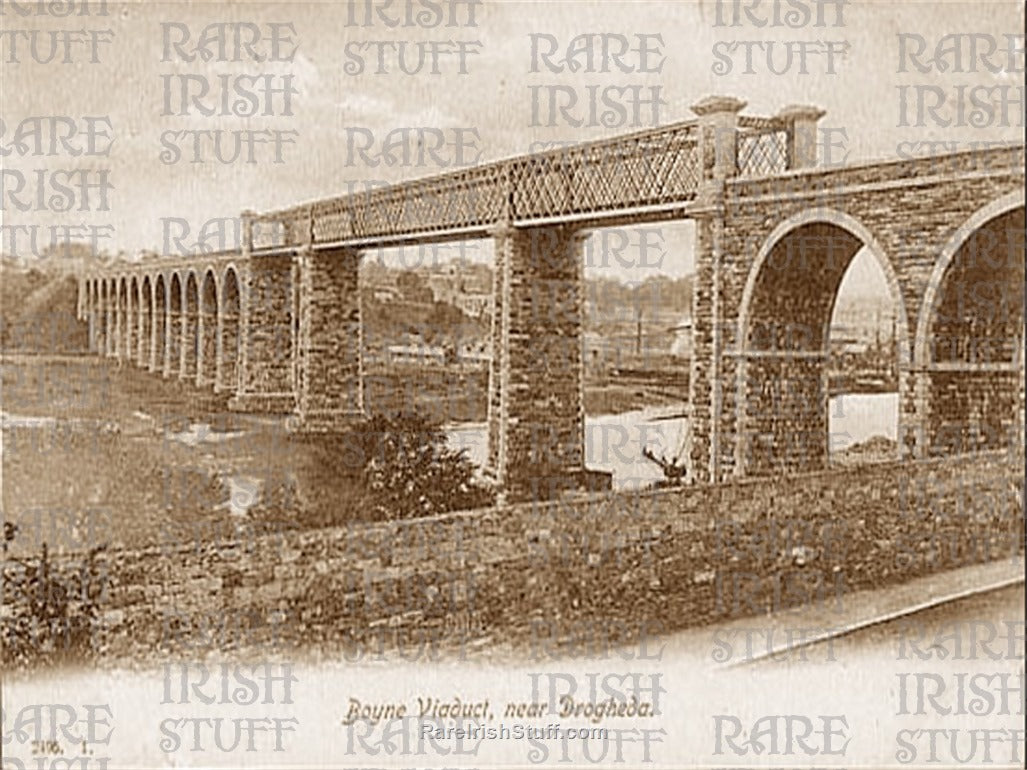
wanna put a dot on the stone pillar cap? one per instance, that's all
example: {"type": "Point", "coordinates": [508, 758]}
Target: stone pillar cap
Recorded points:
{"type": "Point", "coordinates": [710, 105]}
{"type": "Point", "coordinates": [502, 227]}
{"type": "Point", "coordinates": [801, 112]}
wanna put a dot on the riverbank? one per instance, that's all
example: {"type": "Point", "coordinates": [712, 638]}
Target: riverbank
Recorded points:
{"type": "Point", "coordinates": [157, 461]}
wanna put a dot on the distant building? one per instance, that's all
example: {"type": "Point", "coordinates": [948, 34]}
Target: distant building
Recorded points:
{"type": "Point", "coordinates": [682, 344]}
{"type": "Point", "coordinates": [416, 354]}
{"type": "Point", "coordinates": [385, 293]}
{"type": "Point", "coordinates": [464, 289]}
{"type": "Point", "coordinates": [474, 305]}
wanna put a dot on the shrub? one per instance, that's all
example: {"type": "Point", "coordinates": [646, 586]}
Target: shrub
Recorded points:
{"type": "Point", "coordinates": [50, 616]}
{"type": "Point", "coordinates": [386, 467]}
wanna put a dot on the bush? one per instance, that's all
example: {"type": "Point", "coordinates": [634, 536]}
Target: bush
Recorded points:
{"type": "Point", "coordinates": [389, 468]}
{"type": "Point", "coordinates": [50, 617]}
{"type": "Point", "coordinates": [410, 471]}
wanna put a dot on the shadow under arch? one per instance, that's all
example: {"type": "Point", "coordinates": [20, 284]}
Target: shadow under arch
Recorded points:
{"type": "Point", "coordinates": [207, 332]}
{"type": "Point", "coordinates": [968, 349]}
{"type": "Point", "coordinates": [782, 339]}
{"type": "Point", "coordinates": [960, 238]}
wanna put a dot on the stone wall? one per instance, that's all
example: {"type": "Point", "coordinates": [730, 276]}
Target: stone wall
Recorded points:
{"type": "Point", "coordinates": [662, 560]}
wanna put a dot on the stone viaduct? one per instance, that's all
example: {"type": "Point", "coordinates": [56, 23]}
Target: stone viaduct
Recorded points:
{"type": "Point", "coordinates": [278, 324]}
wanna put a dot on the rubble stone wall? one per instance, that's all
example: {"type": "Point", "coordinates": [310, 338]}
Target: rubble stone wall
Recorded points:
{"type": "Point", "coordinates": [619, 564]}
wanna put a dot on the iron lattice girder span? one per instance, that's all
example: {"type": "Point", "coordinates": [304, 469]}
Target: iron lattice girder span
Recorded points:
{"type": "Point", "coordinates": [652, 168]}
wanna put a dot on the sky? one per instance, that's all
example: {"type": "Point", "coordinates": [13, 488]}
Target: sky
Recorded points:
{"type": "Point", "coordinates": [495, 94]}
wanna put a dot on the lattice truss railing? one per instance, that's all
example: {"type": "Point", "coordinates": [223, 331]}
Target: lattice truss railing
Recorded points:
{"type": "Point", "coordinates": [762, 147]}
{"type": "Point", "coordinates": [648, 168]}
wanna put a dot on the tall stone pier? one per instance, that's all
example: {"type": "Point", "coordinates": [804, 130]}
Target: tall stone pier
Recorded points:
{"type": "Point", "coordinates": [328, 352]}
{"type": "Point", "coordinates": [266, 376]}
{"type": "Point", "coordinates": [536, 412]}
{"type": "Point", "coordinates": [718, 129]}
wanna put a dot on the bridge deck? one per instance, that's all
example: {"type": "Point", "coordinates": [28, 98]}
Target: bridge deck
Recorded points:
{"type": "Point", "coordinates": [649, 168]}
{"type": "Point", "coordinates": [646, 176]}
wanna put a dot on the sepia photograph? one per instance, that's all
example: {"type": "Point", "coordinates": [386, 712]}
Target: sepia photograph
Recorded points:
{"type": "Point", "coordinates": [507, 383]}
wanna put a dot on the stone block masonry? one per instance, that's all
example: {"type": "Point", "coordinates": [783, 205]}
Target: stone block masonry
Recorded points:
{"type": "Point", "coordinates": [536, 413]}
{"type": "Point", "coordinates": [266, 378]}
{"type": "Point", "coordinates": [330, 382]}
{"type": "Point", "coordinates": [617, 564]}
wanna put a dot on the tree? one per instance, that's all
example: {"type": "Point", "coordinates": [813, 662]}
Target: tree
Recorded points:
{"type": "Point", "coordinates": [413, 287]}
{"type": "Point", "coordinates": [51, 614]}
{"type": "Point", "coordinates": [404, 469]}
{"type": "Point", "coordinates": [410, 470]}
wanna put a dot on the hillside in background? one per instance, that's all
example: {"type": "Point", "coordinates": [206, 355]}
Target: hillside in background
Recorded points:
{"type": "Point", "coordinates": [37, 311]}
{"type": "Point", "coordinates": [38, 301]}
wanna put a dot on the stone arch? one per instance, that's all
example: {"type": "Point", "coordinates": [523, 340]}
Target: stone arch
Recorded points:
{"type": "Point", "coordinates": [206, 366]}
{"type": "Point", "coordinates": [856, 228]}
{"type": "Point", "coordinates": [100, 309]}
{"type": "Point", "coordinates": [229, 338]}
{"type": "Point", "coordinates": [159, 356]}
{"type": "Point", "coordinates": [981, 217]}
{"type": "Point", "coordinates": [121, 318]}
{"type": "Point", "coordinates": [783, 338]}
{"type": "Point", "coordinates": [132, 320]}
{"type": "Point", "coordinates": [145, 322]}
{"type": "Point", "coordinates": [190, 326]}
{"type": "Point", "coordinates": [175, 315]}
{"type": "Point", "coordinates": [969, 343]}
